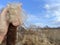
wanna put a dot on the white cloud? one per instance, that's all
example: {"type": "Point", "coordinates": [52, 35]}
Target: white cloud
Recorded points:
{"type": "Point", "coordinates": [53, 9]}
{"type": "Point", "coordinates": [40, 24]}
{"type": "Point", "coordinates": [57, 14]}
{"type": "Point", "coordinates": [32, 17]}
{"type": "Point", "coordinates": [47, 16]}
{"type": "Point", "coordinates": [47, 6]}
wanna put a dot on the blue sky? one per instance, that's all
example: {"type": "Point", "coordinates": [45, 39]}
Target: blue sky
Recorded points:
{"type": "Point", "coordinates": [39, 12]}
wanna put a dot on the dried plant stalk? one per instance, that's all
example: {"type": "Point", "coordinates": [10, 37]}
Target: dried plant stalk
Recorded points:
{"type": "Point", "coordinates": [11, 16]}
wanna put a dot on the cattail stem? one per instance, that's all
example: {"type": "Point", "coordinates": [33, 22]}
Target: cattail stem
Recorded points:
{"type": "Point", "coordinates": [11, 35]}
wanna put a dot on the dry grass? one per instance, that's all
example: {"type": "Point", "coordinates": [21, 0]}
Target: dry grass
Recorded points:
{"type": "Point", "coordinates": [40, 37]}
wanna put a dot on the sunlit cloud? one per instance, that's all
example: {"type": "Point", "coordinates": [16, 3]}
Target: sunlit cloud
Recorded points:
{"type": "Point", "coordinates": [53, 9]}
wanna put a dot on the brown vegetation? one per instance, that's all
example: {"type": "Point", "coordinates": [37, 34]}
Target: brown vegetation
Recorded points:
{"type": "Point", "coordinates": [39, 37]}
